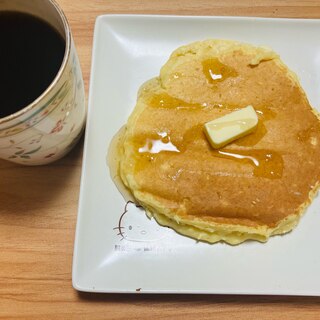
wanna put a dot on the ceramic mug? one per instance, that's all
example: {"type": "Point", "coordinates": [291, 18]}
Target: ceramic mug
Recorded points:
{"type": "Point", "coordinates": [50, 126]}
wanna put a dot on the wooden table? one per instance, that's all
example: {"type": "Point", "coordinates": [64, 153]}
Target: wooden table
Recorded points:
{"type": "Point", "coordinates": [38, 208]}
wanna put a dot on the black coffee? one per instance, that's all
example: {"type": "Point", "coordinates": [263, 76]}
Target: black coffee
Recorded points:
{"type": "Point", "coordinates": [31, 53]}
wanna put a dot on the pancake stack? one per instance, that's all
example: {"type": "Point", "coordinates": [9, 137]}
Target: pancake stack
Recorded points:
{"type": "Point", "coordinates": [253, 188]}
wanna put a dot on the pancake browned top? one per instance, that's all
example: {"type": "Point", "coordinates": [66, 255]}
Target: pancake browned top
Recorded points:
{"type": "Point", "coordinates": [258, 180]}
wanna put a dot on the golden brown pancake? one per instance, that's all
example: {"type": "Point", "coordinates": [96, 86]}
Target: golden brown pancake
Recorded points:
{"type": "Point", "coordinates": [253, 188]}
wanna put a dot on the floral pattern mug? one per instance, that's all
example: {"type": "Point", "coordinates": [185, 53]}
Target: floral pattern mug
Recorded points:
{"type": "Point", "coordinates": [50, 126]}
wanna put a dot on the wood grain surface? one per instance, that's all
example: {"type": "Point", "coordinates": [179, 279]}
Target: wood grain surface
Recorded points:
{"type": "Point", "coordinates": [38, 208]}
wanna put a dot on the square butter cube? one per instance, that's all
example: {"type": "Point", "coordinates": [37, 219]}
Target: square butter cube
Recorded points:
{"type": "Point", "coordinates": [230, 127]}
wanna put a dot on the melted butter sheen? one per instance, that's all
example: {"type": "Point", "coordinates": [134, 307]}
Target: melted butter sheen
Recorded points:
{"type": "Point", "coordinates": [253, 138]}
{"type": "Point", "coordinates": [216, 71]}
{"type": "Point", "coordinates": [264, 114]}
{"type": "Point", "coordinates": [243, 124]}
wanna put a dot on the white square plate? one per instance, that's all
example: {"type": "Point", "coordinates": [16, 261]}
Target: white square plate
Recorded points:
{"type": "Point", "coordinates": [128, 50]}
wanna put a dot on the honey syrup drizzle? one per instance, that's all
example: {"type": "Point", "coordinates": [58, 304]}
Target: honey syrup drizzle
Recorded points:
{"type": "Point", "coordinates": [165, 101]}
{"type": "Point", "coordinates": [215, 71]}
{"type": "Point", "coordinates": [309, 135]}
{"type": "Point", "coordinates": [192, 136]}
{"type": "Point", "coordinates": [265, 163]}
{"type": "Point", "coordinates": [265, 113]}
{"type": "Point", "coordinates": [163, 143]}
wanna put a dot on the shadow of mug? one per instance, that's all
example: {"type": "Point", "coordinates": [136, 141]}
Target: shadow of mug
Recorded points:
{"type": "Point", "coordinates": [47, 128]}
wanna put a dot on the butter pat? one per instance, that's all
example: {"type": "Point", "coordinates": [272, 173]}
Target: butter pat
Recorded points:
{"type": "Point", "coordinates": [230, 127]}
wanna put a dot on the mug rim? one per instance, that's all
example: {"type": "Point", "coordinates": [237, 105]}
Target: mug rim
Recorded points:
{"type": "Point", "coordinates": [58, 76]}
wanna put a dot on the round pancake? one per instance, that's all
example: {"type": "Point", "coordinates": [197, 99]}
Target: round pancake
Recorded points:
{"type": "Point", "coordinates": [253, 188]}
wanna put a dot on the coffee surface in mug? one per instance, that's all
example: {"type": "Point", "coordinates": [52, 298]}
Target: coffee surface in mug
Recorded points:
{"type": "Point", "coordinates": [31, 54]}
